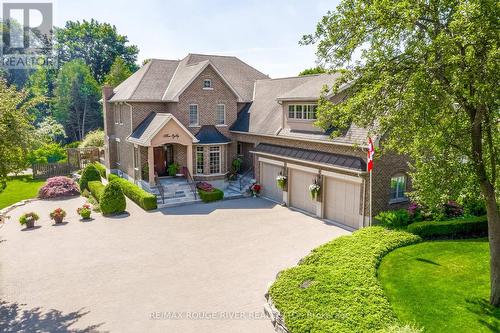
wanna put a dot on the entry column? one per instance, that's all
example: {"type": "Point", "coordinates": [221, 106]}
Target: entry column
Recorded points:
{"type": "Point", "coordinates": [189, 159]}
{"type": "Point", "coordinates": [151, 165]}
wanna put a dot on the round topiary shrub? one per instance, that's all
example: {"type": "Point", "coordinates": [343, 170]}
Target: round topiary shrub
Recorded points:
{"type": "Point", "coordinates": [89, 173]}
{"type": "Point", "coordinates": [112, 200]}
{"type": "Point", "coordinates": [57, 187]}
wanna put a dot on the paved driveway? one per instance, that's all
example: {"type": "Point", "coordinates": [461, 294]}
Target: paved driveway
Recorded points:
{"type": "Point", "coordinates": [132, 274]}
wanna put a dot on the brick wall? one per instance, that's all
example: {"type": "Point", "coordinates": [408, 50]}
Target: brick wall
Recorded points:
{"type": "Point", "coordinates": [207, 101]}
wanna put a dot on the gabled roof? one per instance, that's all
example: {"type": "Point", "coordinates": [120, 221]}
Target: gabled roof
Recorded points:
{"type": "Point", "coordinates": [164, 80]}
{"type": "Point", "coordinates": [149, 127]}
{"type": "Point", "coordinates": [264, 115]}
{"type": "Point", "coordinates": [209, 134]}
{"type": "Point", "coordinates": [335, 160]}
{"type": "Point", "coordinates": [310, 88]}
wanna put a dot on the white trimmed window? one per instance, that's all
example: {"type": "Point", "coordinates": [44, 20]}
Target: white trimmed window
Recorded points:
{"type": "Point", "coordinates": [214, 159]}
{"type": "Point", "coordinates": [200, 160]}
{"type": "Point", "coordinates": [220, 114]}
{"type": "Point", "coordinates": [398, 187]}
{"type": "Point", "coordinates": [207, 84]}
{"type": "Point", "coordinates": [120, 114]}
{"type": "Point", "coordinates": [116, 112]}
{"type": "Point", "coordinates": [302, 111]}
{"type": "Point", "coordinates": [118, 155]}
{"type": "Point", "coordinates": [193, 115]}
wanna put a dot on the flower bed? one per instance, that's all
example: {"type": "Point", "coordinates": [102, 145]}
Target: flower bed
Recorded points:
{"type": "Point", "coordinates": [58, 187]}
{"type": "Point", "coordinates": [204, 186]}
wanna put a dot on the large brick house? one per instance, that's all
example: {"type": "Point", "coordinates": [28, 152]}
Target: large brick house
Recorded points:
{"type": "Point", "coordinates": [203, 111]}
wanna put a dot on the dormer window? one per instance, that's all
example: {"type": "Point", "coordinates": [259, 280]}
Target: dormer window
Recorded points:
{"type": "Point", "coordinates": [302, 111]}
{"type": "Point", "coordinates": [207, 84]}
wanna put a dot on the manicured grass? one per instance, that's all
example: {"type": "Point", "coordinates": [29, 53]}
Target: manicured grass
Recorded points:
{"type": "Point", "coordinates": [19, 188]}
{"type": "Point", "coordinates": [335, 288]}
{"type": "Point", "coordinates": [442, 286]}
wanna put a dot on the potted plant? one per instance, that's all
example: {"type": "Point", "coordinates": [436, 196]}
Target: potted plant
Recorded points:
{"type": "Point", "coordinates": [255, 188]}
{"type": "Point", "coordinates": [85, 211]}
{"type": "Point", "coordinates": [28, 219]}
{"type": "Point", "coordinates": [58, 215]}
{"type": "Point", "coordinates": [281, 181]}
{"type": "Point", "coordinates": [314, 190]}
{"type": "Point", "coordinates": [173, 169]}
{"type": "Point", "coordinates": [236, 164]}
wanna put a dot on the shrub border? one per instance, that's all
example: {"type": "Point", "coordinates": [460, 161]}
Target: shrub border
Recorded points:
{"type": "Point", "coordinates": [468, 227]}
{"type": "Point", "coordinates": [145, 200]}
{"type": "Point", "coordinates": [321, 259]}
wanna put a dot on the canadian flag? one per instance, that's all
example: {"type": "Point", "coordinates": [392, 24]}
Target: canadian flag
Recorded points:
{"type": "Point", "coordinates": [370, 154]}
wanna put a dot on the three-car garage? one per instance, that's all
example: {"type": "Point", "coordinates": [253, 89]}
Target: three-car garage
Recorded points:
{"type": "Point", "coordinates": [341, 198]}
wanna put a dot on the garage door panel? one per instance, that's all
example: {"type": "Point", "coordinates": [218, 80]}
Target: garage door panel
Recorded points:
{"type": "Point", "coordinates": [342, 201]}
{"type": "Point", "coordinates": [300, 196]}
{"type": "Point", "coordinates": [270, 188]}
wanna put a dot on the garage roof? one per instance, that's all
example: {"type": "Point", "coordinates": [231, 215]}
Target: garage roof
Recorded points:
{"type": "Point", "coordinates": [306, 155]}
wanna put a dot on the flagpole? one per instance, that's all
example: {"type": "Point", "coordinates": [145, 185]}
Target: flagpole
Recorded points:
{"type": "Point", "coordinates": [370, 220]}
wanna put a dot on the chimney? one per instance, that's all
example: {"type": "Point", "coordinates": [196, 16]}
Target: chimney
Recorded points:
{"type": "Point", "coordinates": [107, 92]}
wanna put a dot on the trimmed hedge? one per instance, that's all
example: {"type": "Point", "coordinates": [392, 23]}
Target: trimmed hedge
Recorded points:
{"type": "Point", "coordinates": [112, 200]}
{"type": "Point", "coordinates": [457, 228]}
{"type": "Point", "coordinates": [144, 199]}
{"type": "Point", "coordinates": [101, 168]}
{"type": "Point", "coordinates": [89, 173]}
{"type": "Point", "coordinates": [96, 188]}
{"type": "Point", "coordinates": [335, 288]}
{"type": "Point", "coordinates": [211, 196]}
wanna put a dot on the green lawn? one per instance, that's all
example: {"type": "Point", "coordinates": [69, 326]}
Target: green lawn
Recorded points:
{"type": "Point", "coordinates": [19, 188]}
{"type": "Point", "coordinates": [441, 286]}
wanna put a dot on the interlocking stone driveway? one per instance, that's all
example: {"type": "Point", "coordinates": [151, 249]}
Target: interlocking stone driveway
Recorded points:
{"type": "Point", "coordinates": [115, 274]}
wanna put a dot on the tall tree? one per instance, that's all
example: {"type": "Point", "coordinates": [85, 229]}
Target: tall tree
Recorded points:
{"type": "Point", "coordinates": [428, 79]}
{"type": "Point", "coordinates": [98, 44]}
{"type": "Point", "coordinates": [41, 84]}
{"type": "Point", "coordinates": [77, 97]}
{"type": "Point", "coordinates": [118, 73]}
{"type": "Point", "coordinates": [16, 131]}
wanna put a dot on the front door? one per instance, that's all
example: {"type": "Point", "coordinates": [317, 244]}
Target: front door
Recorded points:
{"type": "Point", "coordinates": [160, 161]}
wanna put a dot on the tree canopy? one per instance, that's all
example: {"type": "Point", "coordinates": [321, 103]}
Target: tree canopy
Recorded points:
{"type": "Point", "coordinates": [77, 97]}
{"type": "Point", "coordinates": [97, 44]}
{"type": "Point", "coordinates": [118, 73]}
{"type": "Point", "coordinates": [313, 70]}
{"type": "Point", "coordinates": [427, 79]}
{"type": "Point", "coordinates": [15, 130]}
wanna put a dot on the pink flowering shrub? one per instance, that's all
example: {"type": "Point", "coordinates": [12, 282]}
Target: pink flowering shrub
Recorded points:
{"type": "Point", "coordinates": [57, 187]}
{"type": "Point", "coordinates": [204, 186]}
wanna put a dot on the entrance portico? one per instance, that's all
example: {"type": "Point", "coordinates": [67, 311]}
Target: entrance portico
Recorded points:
{"type": "Point", "coordinates": [167, 142]}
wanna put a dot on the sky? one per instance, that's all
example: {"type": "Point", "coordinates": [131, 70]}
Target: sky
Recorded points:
{"type": "Point", "coordinates": [265, 34]}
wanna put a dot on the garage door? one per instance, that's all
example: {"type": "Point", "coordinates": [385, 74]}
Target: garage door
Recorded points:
{"type": "Point", "coordinates": [300, 196]}
{"type": "Point", "coordinates": [342, 200]}
{"type": "Point", "coordinates": [270, 189]}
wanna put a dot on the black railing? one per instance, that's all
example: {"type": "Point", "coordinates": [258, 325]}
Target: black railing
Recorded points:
{"type": "Point", "coordinates": [190, 181]}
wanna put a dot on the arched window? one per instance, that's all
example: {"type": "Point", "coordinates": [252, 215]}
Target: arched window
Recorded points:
{"type": "Point", "coordinates": [398, 187]}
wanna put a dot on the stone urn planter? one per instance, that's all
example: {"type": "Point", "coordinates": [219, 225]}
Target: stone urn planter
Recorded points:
{"type": "Point", "coordinates": [58, 215]}
{"type": "Point", "coordinates": [85, 211]}
{"type": "Point", "coordinates": [28, 220]}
